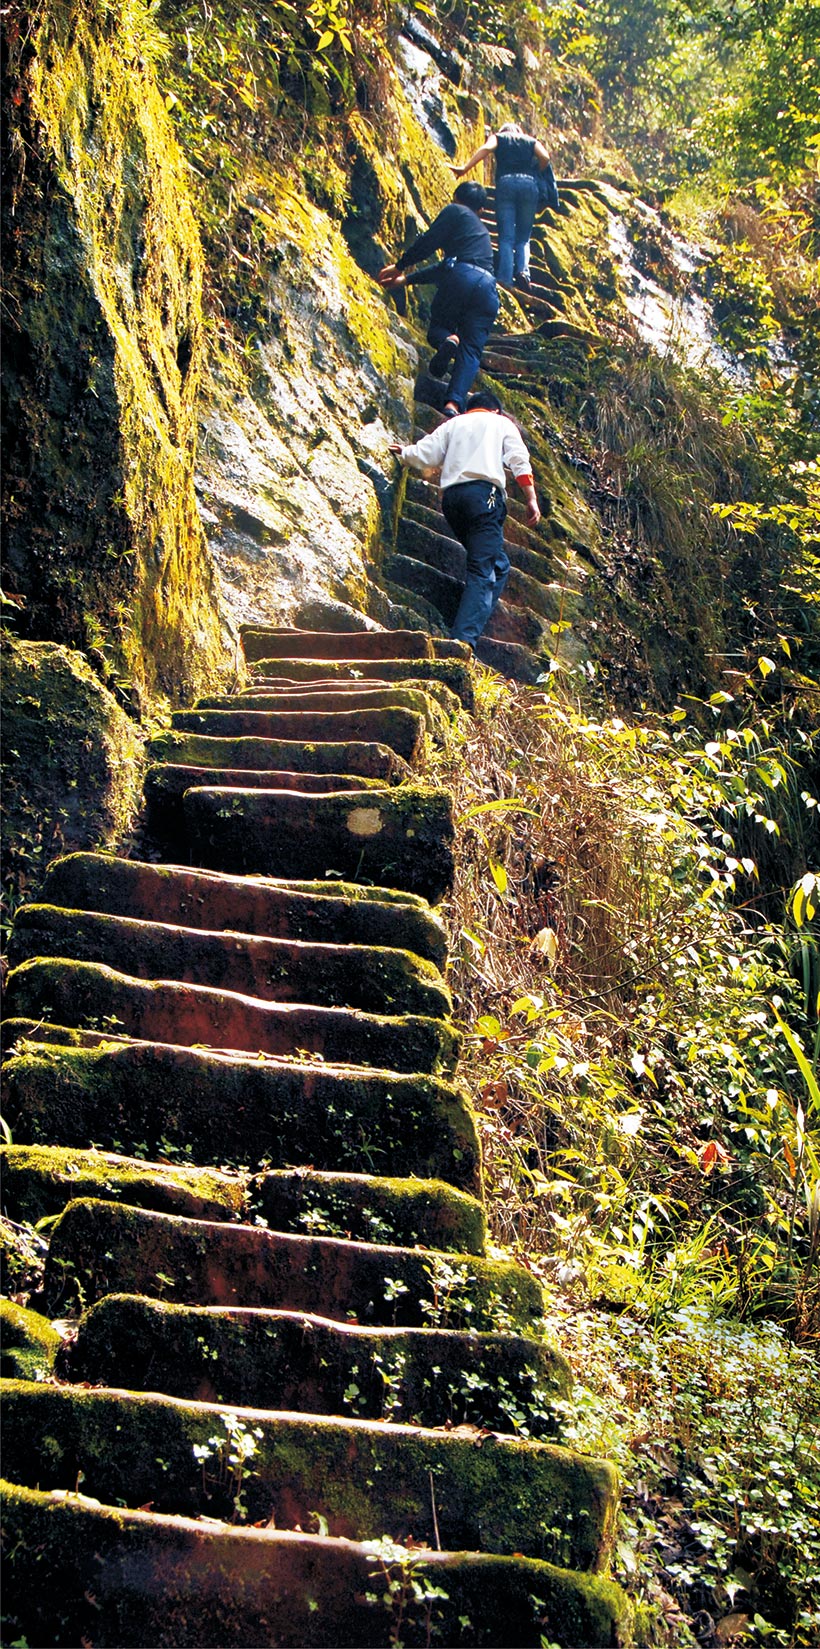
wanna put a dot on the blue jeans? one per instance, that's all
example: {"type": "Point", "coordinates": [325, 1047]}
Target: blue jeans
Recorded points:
{"type": "Point", "coordinates": [466, 302]}
{"type": "Point", "coordinates": [516, 203]}
{"type": "Point", "coordinates": [476, 511]}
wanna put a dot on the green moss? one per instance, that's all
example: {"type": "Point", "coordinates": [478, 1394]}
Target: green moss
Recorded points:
{"type": "Point", "coordinates": [430, 1377]}
{"type": "Point", "coordinates": [104, 538]}
{"type": "Point", "coordinates": [243, 1109]}
{"type": "Point", "coordinates": [543, 1501]}
{"type": "Point", "coordinates": [371, 1209]}
{"type": "Point", "coordinates": [71, 760]}
{"type": "Point", "coordinates": [29, 1343]}
{"type": "Point", "coordinates": [39, 1180]}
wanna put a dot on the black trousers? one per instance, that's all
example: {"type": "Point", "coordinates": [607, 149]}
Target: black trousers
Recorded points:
{"type": "Point", "coordinates": [476, 511]}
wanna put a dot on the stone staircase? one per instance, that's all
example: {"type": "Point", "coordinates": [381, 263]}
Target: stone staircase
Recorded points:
{"type": "Point", "coordinates": [424, 576]}
{"type": "Point", "coordinates": [295, 1403]}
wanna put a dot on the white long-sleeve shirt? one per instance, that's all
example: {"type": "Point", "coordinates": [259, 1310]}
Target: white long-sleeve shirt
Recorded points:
{"type": "Point", "coordinates": [476, 446]}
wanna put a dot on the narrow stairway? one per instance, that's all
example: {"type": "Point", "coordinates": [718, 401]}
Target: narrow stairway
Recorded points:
{"type": "Point", "coordinates": [544, 593]}
{"type": "Point", "coordinates": [295, 1403]}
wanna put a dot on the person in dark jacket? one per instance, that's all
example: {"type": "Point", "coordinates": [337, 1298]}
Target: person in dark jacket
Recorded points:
{"type": "Point", "coordinates": [466, 300]}
{"type": "Point", "coordinates": [518, 161]}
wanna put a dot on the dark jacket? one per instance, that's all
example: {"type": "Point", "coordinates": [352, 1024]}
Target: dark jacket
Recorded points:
{"type": "Point", "coordinates": [457, 232]}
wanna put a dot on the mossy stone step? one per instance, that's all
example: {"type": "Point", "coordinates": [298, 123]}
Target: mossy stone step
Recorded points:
{"type": "Point", "coordinates": [165, 1011]}
{"type": "Point", "coordinates": [28, 1346]}
{"type": "Point", "coordinates": [329, 701]}
{"type": "Point", "coordinates": [399, 730]}
{"type": "Point", "coordinates": [369, 761]}
{"type": "Point", "coordinates": [107, 1248]}
{"type": "Point", "coordinates": [123, 1579]}
{"type": "Point", "coordinates": [363, 1479]}
{"type": "Point", "coordinates": [292, 1360]}
{"type": "Point", "coordinates": [516, 662]}
{"type": "Point", "coordinates": [271, 642]}
{"type": "Point", "coordinates": [39, 1180]}
{"type": "Point", "coordinates": [235, 1109]}
{"type": "Point", "coordinates": [396, 838]}
{"type": "Point", "coordinates": [322, 912]}
{"type": "Point", "coordinates": [164, 787]}
{"type": "Point", "coordinates": [376, 979]}
{"type": "Point", "coordinates": [452, 649]}
{"type": "Point", "coordinates": [412, 697]}
{"type": "Point", "coordinates": [371, 1208]}
{"type": "Point", "coordinates": [454, 672]}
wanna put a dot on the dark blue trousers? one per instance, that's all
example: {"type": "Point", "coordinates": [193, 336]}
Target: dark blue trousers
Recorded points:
{"type": "Point", "coordinates": [466, 302]}
{"type": "Point", "coordinates": [476, 511]}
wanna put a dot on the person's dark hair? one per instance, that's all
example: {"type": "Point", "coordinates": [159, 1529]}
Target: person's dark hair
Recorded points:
{"type": "Point", "coordinates": [484, 401]}
{"type": "Point", "coordinates": [473, 195]}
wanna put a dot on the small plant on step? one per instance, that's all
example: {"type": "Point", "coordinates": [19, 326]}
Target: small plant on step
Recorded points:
{"type": "Point", "coordinates": [225, 1460]}
{"type": "Point", "coordinates": [409, 1598]}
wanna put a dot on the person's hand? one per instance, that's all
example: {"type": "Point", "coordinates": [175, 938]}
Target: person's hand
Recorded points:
{"type": "Point", "coordinates": [533, 512]}
{"type": "Point", "coordinates": [391, 275]}
{"type": "Point", "coordinates": [457, 171]}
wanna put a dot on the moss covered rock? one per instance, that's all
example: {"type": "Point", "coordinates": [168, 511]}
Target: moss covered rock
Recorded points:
{"type": "Point", "coordinates": [364, 1479]}
{"type": "Point", "coordinates": [71, 760]}
{"type": "Point", "coordinates": [215, 1584]}
{"type": "Point", "coordinates": [289, 1360]}
{"type": "Point", "coordinates": [103, 355]}
{"type": "Point", "coordinates": [39, 1180]}
{"type": "Point", "coordinates": [29, 1343]}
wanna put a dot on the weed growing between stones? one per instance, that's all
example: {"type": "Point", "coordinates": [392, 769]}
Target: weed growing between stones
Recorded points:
{"type": "Point", "coordinates": [226, 1459]}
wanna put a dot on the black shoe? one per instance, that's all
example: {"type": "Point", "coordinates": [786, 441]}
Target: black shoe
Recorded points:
{"type": "Point", "coordinates": [524, 282]}
{"type": "Point", "coordinates": [440, 362]}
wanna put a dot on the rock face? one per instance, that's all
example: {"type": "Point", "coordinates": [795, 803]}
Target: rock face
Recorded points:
{"type": "Point", "coordinates": [103, 354]}
{"type": "Point", "coordinates": [284, 1340]}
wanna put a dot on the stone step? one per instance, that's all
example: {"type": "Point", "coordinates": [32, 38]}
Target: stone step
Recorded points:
{"type": "Point", "coordinates": [515, 662]}
{"type": "Point", "coordinates": [542, 596]}
{"type": "Point", "coordinates": [426, 536]}
{"type": "Point", "coordinates": [433, 621]}
{"type": "Point", "coordinates": [534, 1498]}
{"type": "Point", "coordinates": [228, 1108]}
{"type": "Point", "coordinates": [453, 672]}
{"type": "Point", "coordinates": [399, 730]}
{"type": "Point", "coordinates": [412, 697]}
{"type": "Point", "coordinates": [396, 838]}
{"type": "Point", "coordinates": [370, 1208]}
{"type": "Point", "coordinates": [507, 1383]}
{"type": "Point", "coordinates": [347, 697]}
{"type": "Point", "coordinates": [510, 621]}
{"type": "Point", "coordinates": [28, 1343]}
{"type": "Point", "coordinates": [269, 641]}
{"type": "Point", "coordinates": [164, 1011]}
{"type": "Point", "coordinates": [165, 786]}
{"type": "Point", "coordinates": [431, 541]}
{"type": "Point", "coordinates": [39, 1180]}
{"type": "Point", "coordinates": [132, 1578]}
{"type": "Point", "coordinates": [99, 1247]}
{"type": "Point", "coordinates": [369, 761]}
{"type": "Point", "coordinates": [323, 912]}
{"type": "Point", "coordinates": [376, 979]}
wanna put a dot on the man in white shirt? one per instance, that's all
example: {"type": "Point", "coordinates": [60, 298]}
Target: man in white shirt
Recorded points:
{"type": "Point", "coordinates": [472, 451]}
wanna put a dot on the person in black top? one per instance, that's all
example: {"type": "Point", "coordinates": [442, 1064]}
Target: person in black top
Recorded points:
{"type": "Point", "coordinates": [466, 300]}
{"type": "Point", "coordinates": [518, 161]}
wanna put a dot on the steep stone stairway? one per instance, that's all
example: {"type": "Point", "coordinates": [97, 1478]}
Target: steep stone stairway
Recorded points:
{"type": "Point", "coordinates": [545, 589]}
{"type": "Point", "coordinates": [295, 1403]}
